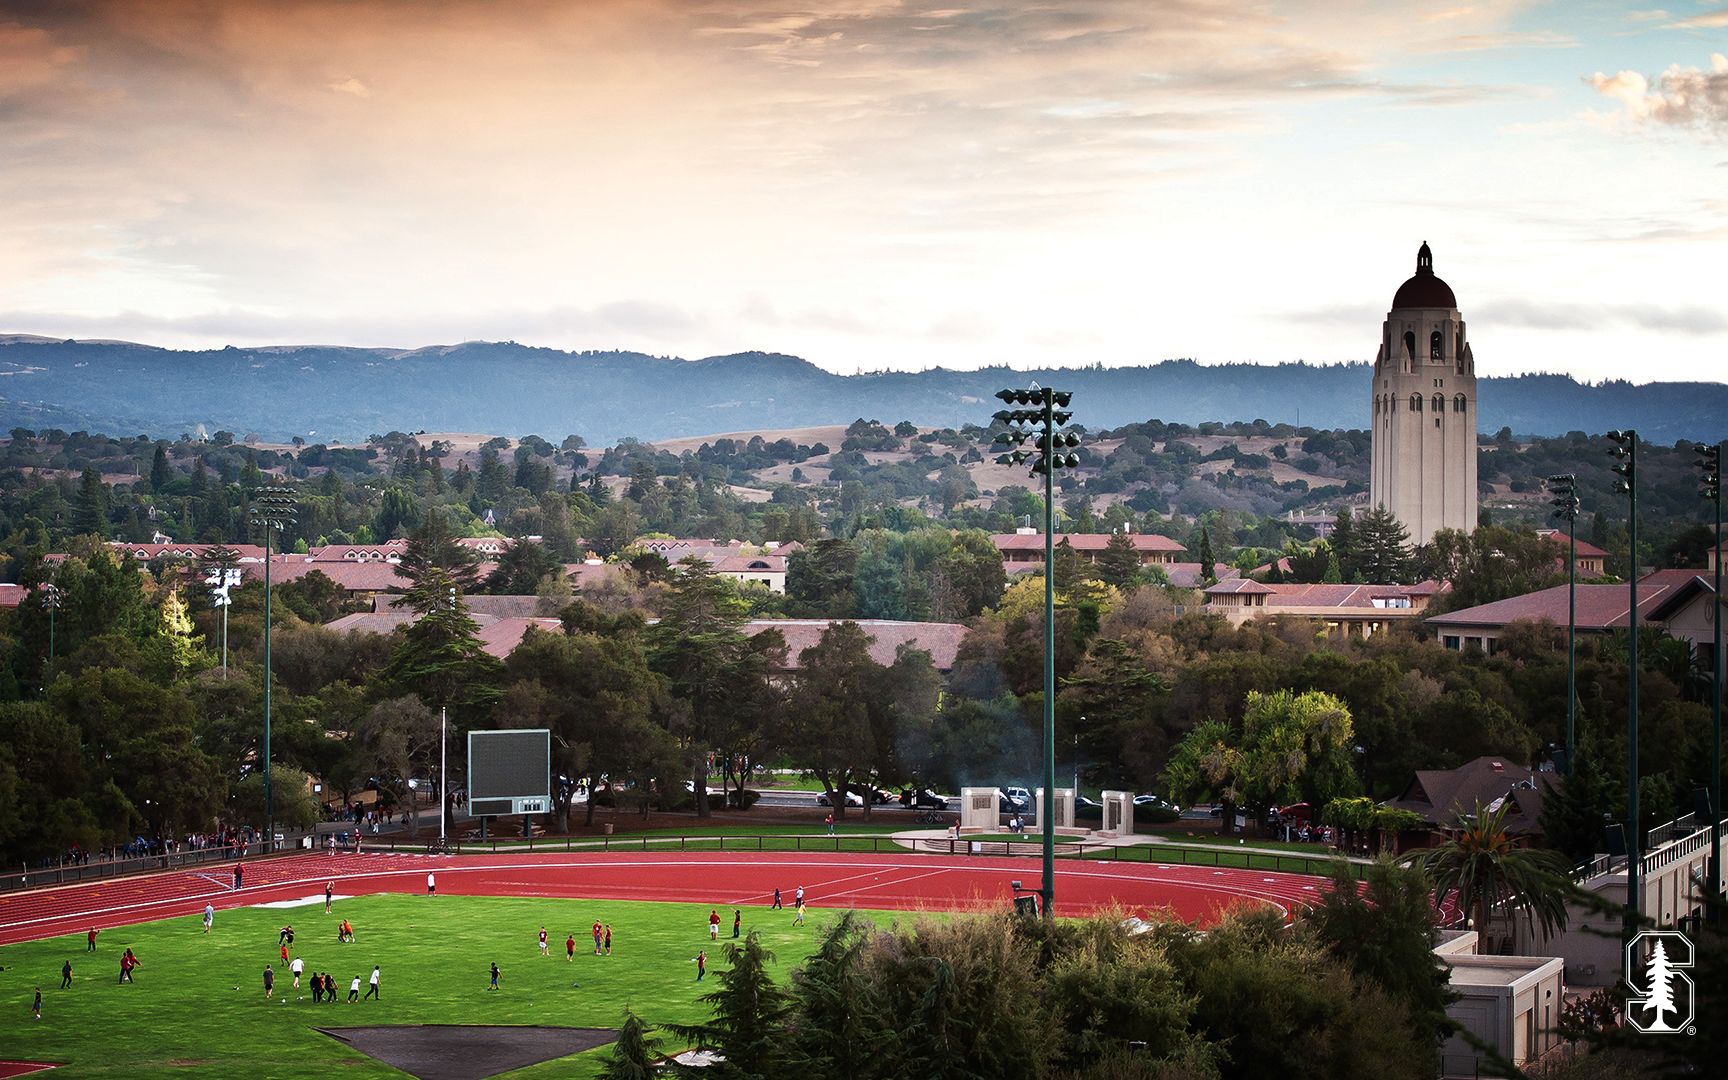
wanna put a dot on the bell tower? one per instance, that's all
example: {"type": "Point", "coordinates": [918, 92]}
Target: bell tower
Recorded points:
{"type": "Point", "coordinates": [1424, 410]}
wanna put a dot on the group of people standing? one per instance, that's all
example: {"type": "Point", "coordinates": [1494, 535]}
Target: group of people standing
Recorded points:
{"type": "Point", "coordinates": [602, 934]}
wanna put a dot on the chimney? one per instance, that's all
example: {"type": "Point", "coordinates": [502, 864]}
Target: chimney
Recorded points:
{"type": "Point", "coordinates": [1498, 767]}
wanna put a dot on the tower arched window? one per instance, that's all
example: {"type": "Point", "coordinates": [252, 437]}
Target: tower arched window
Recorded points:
{"type": "Point", "coordinates": [1434, 345]}
{"type": "Point", "coordinates": [1415, 402]}
{"type": "Point", "coordinates": [1458, 403]}
{"type": "Point", "coordinates": [1410, 344]}
{"type": "Point", "coordinates": [1439, 403]}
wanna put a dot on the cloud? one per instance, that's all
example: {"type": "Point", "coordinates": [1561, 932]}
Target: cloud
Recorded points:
{"type": "Point", "coordinates": [1710, 20]}
{"type": "Point", "coordinates": [1691, 320]}
{"type": "Point", "coordinates": [353, 86]}
{"type": "Point", "coordinates": [1681, 97]}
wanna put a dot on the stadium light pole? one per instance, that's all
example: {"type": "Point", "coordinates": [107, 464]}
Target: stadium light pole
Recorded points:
{"type": "Point", "coordinates": [1564, 489]}
{"type": "Point", "coordinates": [273, 511]}
{"type": "Point", "coordinates": [1625, 453]}
{"type": "Point", "coordinates": [1051, 450]}
{"type": "Point", "coordinates": [1710, 464]}
{"type": "Point", "coordinates": [50, 600]}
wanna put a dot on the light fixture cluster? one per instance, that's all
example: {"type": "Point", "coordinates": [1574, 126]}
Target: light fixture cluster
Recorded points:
{"type": "Point", "coordinates": [1564, 489]}
{"type": "Point", "coordinates": [1042, 413]}
{"type": "Point", "coordinates": [1710, 465]}
{"type": "Point", "coordinates": [1625, 453]}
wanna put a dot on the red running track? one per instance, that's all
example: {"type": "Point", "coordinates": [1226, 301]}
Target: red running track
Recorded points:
{"type": "Point", "coordinates": [888, 880]}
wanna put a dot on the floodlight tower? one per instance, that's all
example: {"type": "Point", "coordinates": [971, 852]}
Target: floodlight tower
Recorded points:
{"type": "Point", "coordinates": [1710, 464]}
{"type": "Point", "coordinates": [1051, 450]}
{"type": "Point", "coordinates": [1625, 454]}
{"type": "Point", "coordinates": [1564, 489]}
{"type": "Point", "coordinates": [273, 510]}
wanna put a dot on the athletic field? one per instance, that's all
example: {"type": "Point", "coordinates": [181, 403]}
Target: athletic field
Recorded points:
{"type": "Point", "coordinates": [197, 1005]}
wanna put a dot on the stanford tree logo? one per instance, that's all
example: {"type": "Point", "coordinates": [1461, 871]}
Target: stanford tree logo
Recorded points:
{"type": "Point", "coordinates": [1662, 1005]}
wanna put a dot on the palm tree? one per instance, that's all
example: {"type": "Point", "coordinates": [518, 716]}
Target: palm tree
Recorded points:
{"type": "Point", "coordinates": [1490, 872]}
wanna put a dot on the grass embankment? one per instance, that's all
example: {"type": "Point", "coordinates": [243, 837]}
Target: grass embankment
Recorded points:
{"type": "Point", "coordinates": [198, 1007]}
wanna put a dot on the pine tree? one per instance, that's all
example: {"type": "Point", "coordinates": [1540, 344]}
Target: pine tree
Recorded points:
{"type": "Point", "coordinates": [748, 1025]}
{"type": "Point", "coordinates": [633, 1054]}
{"type": "Point", "coordinates": [90, 512]}
{"type": "Point", "coordinates": [160, 472]}
{"type": "Point", "coordinates": [1334, 574]}
{"type": "Point", "coordinates": [1118, 564]}
{"type": "Point", "coordinates": [1382, 548]}
{"type": "Point", "coordinates": [1659, 977]}
{"type": "Point", "coordinates": [1344, 542]}
{"type": "Point", "coordinates": [1208, 565]}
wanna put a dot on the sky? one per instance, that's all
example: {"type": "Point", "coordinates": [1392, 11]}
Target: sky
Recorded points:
{"type": "Point", "coordinates": [872, 184]}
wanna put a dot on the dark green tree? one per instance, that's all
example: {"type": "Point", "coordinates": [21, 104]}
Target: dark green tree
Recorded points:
{"type": "Point", "coordinates": [90, 510]}
{"type": "Point", "coordinates": [747, 1028]}
{"type": "Point", "coordinates": [699, 645]}
{"type": "Point", "coordinates": [1386, 935]}
{"type": "Point", "coordinates": [1119, 564]}
{"type": "Point", "coordinates": [634, 1054]}
{"type": "Point", "coordinates": [1381, 549]}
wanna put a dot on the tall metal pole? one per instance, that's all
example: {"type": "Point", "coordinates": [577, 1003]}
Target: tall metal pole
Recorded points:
{"type": "Point", "coordinates": [1050, 414]}
{"type": "Point", "coordinates": [1572, 640]}
{"type": "Point", "coordinates": [443, 774]}
{"type": "Point", "coordinates": [1710, 461]}
{"type": "Point", "coordinates": [1049, 814]}
{"type": "Point", "coordinates": [269, 805]}
{"type": "Point", "coordinates": [272, 508]}
{"type": "Point", "coordinates": [1716, 662]}
{"type": "Point", "coordinates": [1626, 449]}
{"type": "Point", "coordinates": [1564, 488]}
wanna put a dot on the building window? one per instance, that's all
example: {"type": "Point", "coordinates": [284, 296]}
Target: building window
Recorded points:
{"type": "Point", "coordinates": [1415, 402]}
{"type": "Point", "coordinates": [1439, 402]}
{"type": "Point", "coordinates": [1450, 641]}
{"type": "Point", "coordinates": [1434, 345]}
{"type": "Point", "coordinates": [1436, 421]}
{"type": "Point", "coordinates": [1458, 403]}
{"type": "Point", "coordinates": [1410, 343]}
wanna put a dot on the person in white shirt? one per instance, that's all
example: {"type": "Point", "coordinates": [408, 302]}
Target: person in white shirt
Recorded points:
{"type": "Point", "coordinates": [372, 992]}
{"type": "Point", "coordinates": [431, 885]}
{"type": "Point", "coordinates": [297, 967]}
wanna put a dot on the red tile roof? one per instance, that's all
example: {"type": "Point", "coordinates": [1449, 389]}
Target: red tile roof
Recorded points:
{"type": "Point", "coordinates": [1238, 586]}
{"type": "Point", "coordinates": [1083, 541]}
{"type": "Point", "coordinates": [1600, 607]}
{"type": "Point", "coordinates": [145, 552]}
{"type": "Point", "coordinates": [1585, 547]}
{"type": "Point", "coordinates": [12, 595]}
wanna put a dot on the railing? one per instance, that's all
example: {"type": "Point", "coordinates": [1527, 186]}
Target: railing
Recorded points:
{"type": "Point", "coordinates": [1677, 849]}
{"type": "Point", "coordinates": [100, 869]}
{"type": "Point", "coordinates": [870, 843]}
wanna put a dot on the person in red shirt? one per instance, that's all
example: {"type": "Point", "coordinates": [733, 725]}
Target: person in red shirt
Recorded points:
{"type": "Point", "coordinates": [543, 951]}
{"type": "Point", "coordinates": [92, 945]}
{"type": "Point", "coordinates": [596, 937]}
{"type": "Point", "coordinates": [570, 947]}
{"type": "Point", "coordinates": [713, 925]}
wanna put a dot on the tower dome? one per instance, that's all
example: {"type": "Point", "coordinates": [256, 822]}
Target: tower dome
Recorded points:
{"type": "Point", "coordinates": [1424, 290]}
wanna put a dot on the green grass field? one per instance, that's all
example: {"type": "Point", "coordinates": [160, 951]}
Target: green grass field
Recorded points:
{"type": "Point", "coordinates": [184, 1012]}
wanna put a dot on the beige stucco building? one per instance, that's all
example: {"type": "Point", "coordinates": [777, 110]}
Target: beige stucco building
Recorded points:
{"type": "Point", "coordinates": [1424, 410]}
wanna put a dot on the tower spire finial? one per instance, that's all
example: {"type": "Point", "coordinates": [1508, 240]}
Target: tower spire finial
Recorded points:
{"type": "Point", "coordinates": [1424, 259]}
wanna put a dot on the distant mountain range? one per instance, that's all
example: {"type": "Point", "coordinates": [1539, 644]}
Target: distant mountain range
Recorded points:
{"type": "Point", "coordinates": [328, 394]}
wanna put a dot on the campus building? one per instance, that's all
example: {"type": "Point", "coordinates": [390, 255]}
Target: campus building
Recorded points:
{"type": "Point", "coordinates": [1424, 410]}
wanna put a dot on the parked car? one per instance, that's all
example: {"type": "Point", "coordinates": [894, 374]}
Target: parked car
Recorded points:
{"type": "Point", "coordinates": [876, 795]}
{"type": "Point", "coordinates": [1158, 801]}
{"type": "Point", "coordinates": [1015, 800]}
{"type": "Point", "coordinates": [922, 799]}
{"type": "Point", "coordinates": [1088, 809]}
{"type": "Point", "coordinates": [852, 799]}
